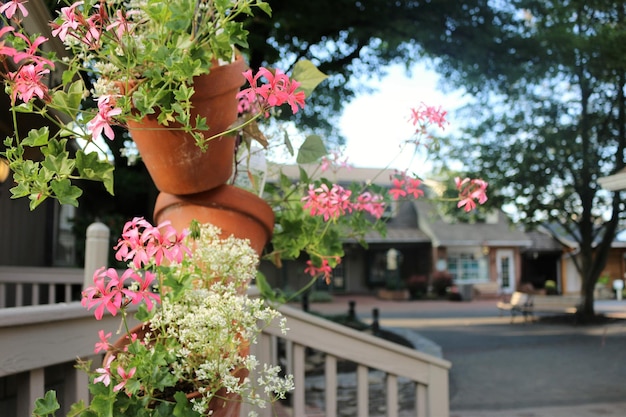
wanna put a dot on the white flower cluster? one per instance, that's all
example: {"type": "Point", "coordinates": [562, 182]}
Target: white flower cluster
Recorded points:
{"type": "Point", "coordinates": [230, 259]}
{"type": "Point", "coordinates": [210, 327]}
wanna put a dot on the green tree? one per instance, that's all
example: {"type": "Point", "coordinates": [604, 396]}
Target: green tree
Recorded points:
{"type": "Point", "coordinates": [548, 119]}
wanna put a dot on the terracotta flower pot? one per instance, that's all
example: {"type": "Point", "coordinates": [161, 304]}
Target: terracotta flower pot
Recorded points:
{"type": "Point", "coordinates": [173, 159]}
{"type": "Point", "coordinates": [237, 212]}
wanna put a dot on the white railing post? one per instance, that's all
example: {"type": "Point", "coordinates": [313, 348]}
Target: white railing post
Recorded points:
{"type": "Point", "coordinates": [96, 250]}
{"type": "Point", "coordinates": [30, 387]}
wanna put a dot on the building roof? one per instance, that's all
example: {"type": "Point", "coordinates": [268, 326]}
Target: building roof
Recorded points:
{"type": "Point", "coordinates": [395, 235]}
{"type": "Point", "coordinates": [497, 231]}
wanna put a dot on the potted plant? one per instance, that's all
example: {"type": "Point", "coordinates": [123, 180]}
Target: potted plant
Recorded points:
{"type": "Point", "coordinates": [188, 354]}
{"type": "Point", "coordinates": [138, 65]}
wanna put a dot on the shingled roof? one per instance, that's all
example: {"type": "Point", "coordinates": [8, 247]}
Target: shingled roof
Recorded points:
{"type": "Point", "coordinates": [498, 231]}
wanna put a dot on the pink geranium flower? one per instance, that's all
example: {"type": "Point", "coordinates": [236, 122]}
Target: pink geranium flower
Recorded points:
{"type": "Point", "coordinates": [27, 83]}
{"type": "Point", "coordinates": [329, 203]}
{"type": "Point", "coordinates": [278, 90]}
{"type": "Point", "coordinates": [469, 191]}
{"type": "Point", "coordinates": [371, 203]}
{"type": "Point", "coordinates": [105, 372]}
{"type": "Point", "coordinates": [324, 269]}
{"type": "Point", "coordinates": [397, 190]}
{"type": "Point", "coordinates": [103, 344]}
{"type": "Point", "coordinates": [107, 293]}
{"type": "Point", "coordinates": [125, 377]}
{"type": "Point", "coordinates": [70, 24]}
{"type": "Point", "coordinates": [424, 114]}
{"type": "Point", "coordinates": [11, 7]}
{"type": "Point", "coordinates": [102, 122]}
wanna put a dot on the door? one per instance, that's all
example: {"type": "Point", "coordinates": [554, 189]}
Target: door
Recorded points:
{"type": "Point", "coordinates": [505, 268]}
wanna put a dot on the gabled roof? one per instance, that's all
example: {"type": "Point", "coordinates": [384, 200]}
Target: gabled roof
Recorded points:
{"type": "Point", "coordinates": [496, 232]}
{"type": "Point", "coordinates": [543, 242]}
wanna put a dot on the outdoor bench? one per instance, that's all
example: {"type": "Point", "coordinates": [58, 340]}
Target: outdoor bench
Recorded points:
{"type": "Point", "coordinates": [556, 303]}
{"type": "Point", "coordinates": [520, 303]}
{"type": "Point", "coordinates": [528, 304]}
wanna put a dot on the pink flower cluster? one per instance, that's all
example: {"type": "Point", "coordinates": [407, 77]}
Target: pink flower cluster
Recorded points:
{"type": "Point", "coordinates": [144, 245]}
{"type": "Point", "coordinates": [424, 115]}
{"type": "Point", "coordinates": [335, 161]}
{"type": "Point", "coordinates": [325, 269]}
{"type": "Point", "coordinates": [405, 186]}
{"type": "Point", "coordinates": [27, 80]}
{"type": "Point", "coordinates": [102, 122]}
{"type": "Point", "coordinates": [105, 374]}
{"type": "Point", "coordinates": [278, 90]}
{"type": "Point", "coordinates": [336, 201]}
{"type": "Point", "coordinates": [470, 190]}
{"type": "Point", "coordinates": [89, 29]}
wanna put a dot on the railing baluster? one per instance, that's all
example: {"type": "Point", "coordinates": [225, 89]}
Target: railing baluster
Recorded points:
{"type": "Point", "coordinates": [298, 378]}
{"type": "Point", "coordinates": [19, 294]}
{"type": "Point", "coordinates": [30, 386]}
{"type": "Point", "coordinates": [52, 293]}
{"type": "Point", "coordinates": [392, 395]}
{"type": "Point", "coordinates": [362, 391]}
{"type": "Point", "coordinates": [68, 293]}
{"type": "Point", "coordinates": [421, 407]}
{"type": "Point", "coordinates": [330, 375]}
{"type": "Point", "coordinates": [3, 295]}
{"type": "Point", "coordinates": [76, 385]}
{"type": "Point", "coordinates": [35, 294]}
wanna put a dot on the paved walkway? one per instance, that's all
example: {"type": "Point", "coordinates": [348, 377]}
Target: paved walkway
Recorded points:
{"type": "Point", "coordinates": [538, 369]}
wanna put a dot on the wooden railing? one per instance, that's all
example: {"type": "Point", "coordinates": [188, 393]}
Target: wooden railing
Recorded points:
{"type": "Point", "coordinates": [25, 286]}
{"type": "Point", "coordinates": [428, 374]}
{"type": "Point", "coordinates": [39, 345]}
{"type": "Point", "coordinates": [34, 339]}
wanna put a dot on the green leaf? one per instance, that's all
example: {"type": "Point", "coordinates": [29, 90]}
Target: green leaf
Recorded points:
{"type": "Point", "coordinates": [47, 405]}
{"type": "Point", "coordinates": [287, 143]}
{"type": "Point", "coordinates": [311, 150]}
{"type": "Point", "coordinates": [36, 199]}
{"type": "Point", "coordinates": [309, 77]}
{"type": "Point", "coordinates": [77, 410]}
{"type": "Point", "coordinates": [37, 137]}
{"type": "Point", "coordinates": [23, 108]}
{"type": "Point", "coordinates": [60, 165]}
{"type": "Point", "coordinates": [182, 408]}
{"type": "Point", "coordinates": [65, 192]}
{"type": "Point", "coordinates": [103, 404]}
{"type": "Point", "coordinates": [265, 7]}
{"type": "Point", "coordinates": [91, 167]}
{"type": "Point", "coordinates": [69, 102]}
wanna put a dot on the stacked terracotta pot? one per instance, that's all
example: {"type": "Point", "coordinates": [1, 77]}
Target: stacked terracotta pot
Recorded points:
{"type": "Point", "coordinates": [192, 183]}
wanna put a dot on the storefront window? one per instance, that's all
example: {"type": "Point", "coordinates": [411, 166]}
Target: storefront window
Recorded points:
{"type": "Point", "coordinates": [466, 267]}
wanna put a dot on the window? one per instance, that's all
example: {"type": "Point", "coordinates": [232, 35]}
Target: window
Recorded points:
{"type": "Point", "coordinates": [465, 267]}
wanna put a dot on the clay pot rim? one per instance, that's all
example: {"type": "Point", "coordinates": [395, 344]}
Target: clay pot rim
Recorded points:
{"type": "Point", "coordinates": [225, 196]}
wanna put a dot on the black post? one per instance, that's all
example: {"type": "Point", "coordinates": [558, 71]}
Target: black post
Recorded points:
{"type": "Point", "coordinates": [351, 312]}
{"type": "Point", "coordinates": [375, 323]}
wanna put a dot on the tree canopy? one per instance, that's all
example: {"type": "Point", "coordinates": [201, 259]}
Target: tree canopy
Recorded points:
{"type": "Point", "coordinates": [549, 121]}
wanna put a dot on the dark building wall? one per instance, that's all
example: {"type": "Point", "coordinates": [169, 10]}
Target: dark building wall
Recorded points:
{"type": "Point", "coordinates": [24, 234]}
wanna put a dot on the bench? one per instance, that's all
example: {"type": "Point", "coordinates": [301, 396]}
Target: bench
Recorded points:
{"type": "Point", "coordinates": [556, 303]}
{"type": "Point", "coordinates": [520, 303]}
{"type": "Point", "coordinates": [529, 304]}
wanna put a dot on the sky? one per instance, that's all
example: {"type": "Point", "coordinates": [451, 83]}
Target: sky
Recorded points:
{"type": "Point", "coordinates": [376, 124]}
